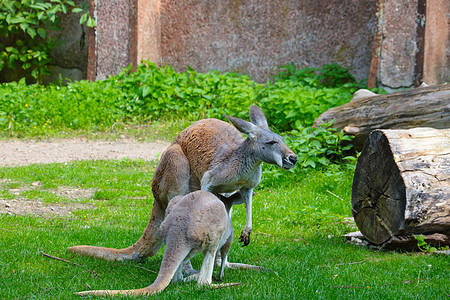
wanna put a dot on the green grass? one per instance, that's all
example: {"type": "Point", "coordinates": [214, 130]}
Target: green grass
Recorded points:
{"type": "Point", "coordinates": [298, 215]}
{"type": "Point", "coordinates": [296, 232]}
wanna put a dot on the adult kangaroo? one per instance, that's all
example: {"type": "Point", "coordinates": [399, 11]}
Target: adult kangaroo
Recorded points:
{"type": "Point", "coordinates": [209, 155]}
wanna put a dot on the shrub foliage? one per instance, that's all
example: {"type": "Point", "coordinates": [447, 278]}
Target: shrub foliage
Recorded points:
{"type": "Point", "coordinates": [152, 93]}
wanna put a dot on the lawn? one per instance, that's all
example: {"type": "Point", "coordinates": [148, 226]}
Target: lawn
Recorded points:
{"type": "Point", "coordinates": [297, 231]}
{"type": "Point", "coordinates": [299, 215]}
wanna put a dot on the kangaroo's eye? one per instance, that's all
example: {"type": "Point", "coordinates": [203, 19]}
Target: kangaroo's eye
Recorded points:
{"type": "Point", "coordinates": [271, 142]}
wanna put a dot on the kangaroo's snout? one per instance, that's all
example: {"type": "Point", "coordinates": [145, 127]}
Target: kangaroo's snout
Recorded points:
{"type": "Point", "coordinates": [289, 161]}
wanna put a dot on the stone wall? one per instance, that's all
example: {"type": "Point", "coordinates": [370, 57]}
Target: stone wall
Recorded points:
{"type": "Point", "coordinates": [257, 36]}
{"type": "Point", "coordinates": [436, 67]}
{"type": "Point", "coordinates": [399, 44]}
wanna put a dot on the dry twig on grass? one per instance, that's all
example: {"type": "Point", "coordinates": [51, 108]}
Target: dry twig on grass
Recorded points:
{"type": "Point", "coordinates": [69, 262]}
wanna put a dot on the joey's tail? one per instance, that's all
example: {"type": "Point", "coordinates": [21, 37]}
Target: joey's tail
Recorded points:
{"type": "Point", "coordinates": [148, 245]}
{"type": "Point", "coordinates": [173, 258]}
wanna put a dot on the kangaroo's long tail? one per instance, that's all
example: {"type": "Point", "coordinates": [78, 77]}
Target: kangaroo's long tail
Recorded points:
{"type": "Point", "coordinates": [148, 245]}
{"type": "Point", "coordinates": [174, 256]}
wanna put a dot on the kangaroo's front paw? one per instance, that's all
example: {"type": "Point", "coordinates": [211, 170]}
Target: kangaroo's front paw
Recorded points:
{"type": "Point", "coordinates": [245, 238]}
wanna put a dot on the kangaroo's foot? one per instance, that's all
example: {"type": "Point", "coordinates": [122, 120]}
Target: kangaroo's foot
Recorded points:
{"type": "Point", "coordinates": [193, 277]}
{"type": "Point", "coordinates": [229, 265]}
{"type": "Point", "coordinates": [188, 269]}
{"type": "Point", "coordinates": [104, 293]}
{"type": "Point", "coordinates": [245, 238]}
{"type": "Point", "coordinates": [109, 254]}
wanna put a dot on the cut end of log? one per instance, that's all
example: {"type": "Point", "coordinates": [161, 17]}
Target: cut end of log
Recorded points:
{"type": "Point", "coordinates": [378, 209]}
{"type": "Point", "coordinates": [400, 185]}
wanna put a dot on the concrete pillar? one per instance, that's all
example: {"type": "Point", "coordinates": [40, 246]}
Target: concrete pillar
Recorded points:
{"type": "Point", "coordinates": [126, 32]}
{"type": "Point", "coordinates": [399, 45]}
{"type": "Point", "coordinates": [149, 30]}
{"type": "Point", "coordinates": [414, 44]}
{"type": "Point", "coordinates": [436, 65]}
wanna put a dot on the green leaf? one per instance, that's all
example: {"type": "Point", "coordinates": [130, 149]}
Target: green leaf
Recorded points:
{"type": "Point", "coordinates": [35, 73]}
{"type": "Point", "coordinates": [76, 10]}
{"type": "Point", "coordinates": [31, 32]}
{"type": "Point", "coordinates": [145, 91]}
{"type": "Point", "coordinates": [24, 26]}
{"type": "Point", "coordinates": [41, 16]}
{"type": "Point", "coordinates": [309, 163]}
{"type": "Point", "coordinates": [42, 32]}
{"type": "Point", "coordinates": [324, 161]}
{"type": "Point", "coordinates": [26, 66]}
{"type": "Point", "coordinates": [90, 22]}
{"type": "Point", "coordinates": [83, 18]}
{"type": "Point", "coordinates": [52, 17]}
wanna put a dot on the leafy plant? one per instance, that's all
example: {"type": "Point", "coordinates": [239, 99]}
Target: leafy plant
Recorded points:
{"type": "Point", "coordinates": [331, 75]}
{"type": "Point", "coordinates": [424, 246]}
{"type": "Point", "coordinates": [155, 93]}
{"type": "Point", "coordinates": [24, 25]}
{"type": "Point", "coordinates": [322, 145]}
{"type": "Point", "coordinates": [152, 92]}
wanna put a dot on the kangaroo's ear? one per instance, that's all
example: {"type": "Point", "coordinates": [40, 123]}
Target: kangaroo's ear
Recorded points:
{"type": "Point", "coordinates": [257, 117]}
{"type": "Point", "coordinates": [243, 126]}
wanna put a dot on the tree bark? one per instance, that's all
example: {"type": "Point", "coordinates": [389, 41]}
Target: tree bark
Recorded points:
{"type": "Point", "coordinates": [401, 184]}
{"type": "Point", "coordinates": [421, 107]}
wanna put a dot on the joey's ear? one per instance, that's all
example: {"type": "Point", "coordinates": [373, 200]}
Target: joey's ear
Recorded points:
{"type": "Point", "coordinates": [243, 126]}
{"type": "Point", "coordinates": [257, 117]}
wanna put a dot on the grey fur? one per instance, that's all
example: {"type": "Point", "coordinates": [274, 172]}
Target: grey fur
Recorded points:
{"type": "Point", "coordinates": [205, 228]}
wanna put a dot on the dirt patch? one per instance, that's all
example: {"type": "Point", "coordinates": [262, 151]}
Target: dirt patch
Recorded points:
{"type": "Point", "coordinates": [73, 193]}
{"type": "Point", "coordinates": [21, 152]}
{"type": "Point", "coordinates": [24, 152]}
{"type": "Point", "coordinates": [23, 206]}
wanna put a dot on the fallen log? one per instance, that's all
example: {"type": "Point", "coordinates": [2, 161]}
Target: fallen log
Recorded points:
{"type": "Point", "coordinates": [420, 107]}
{"type": "Point", "coordinates": [401, 185]}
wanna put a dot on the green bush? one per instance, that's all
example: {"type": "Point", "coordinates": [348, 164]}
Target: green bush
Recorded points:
{"type": "Point", "coordinates": [151, 93]}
